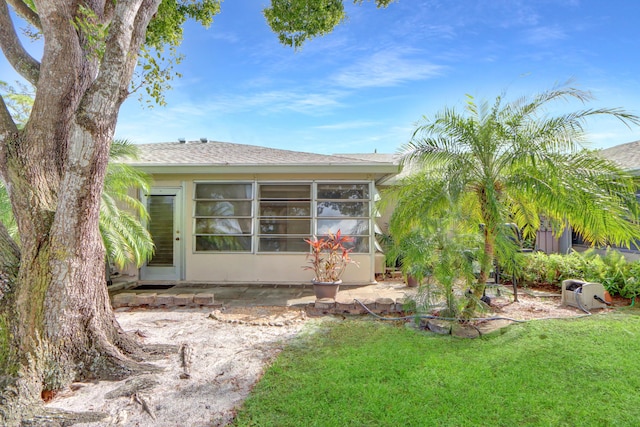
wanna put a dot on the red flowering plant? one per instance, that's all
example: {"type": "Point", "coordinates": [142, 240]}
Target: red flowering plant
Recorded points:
{"type": "Point", "coordinates": [329, 257]}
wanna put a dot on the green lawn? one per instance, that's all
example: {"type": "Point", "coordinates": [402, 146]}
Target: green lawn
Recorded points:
{"type": "Point", "coordinates": [581, 372]}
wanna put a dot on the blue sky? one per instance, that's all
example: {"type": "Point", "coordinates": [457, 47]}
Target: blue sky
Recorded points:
{"type": "Point", "coordinates": [364, 87]}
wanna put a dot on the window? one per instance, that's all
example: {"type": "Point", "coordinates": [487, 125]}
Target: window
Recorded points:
{"type": "Point", "coordinates": [284, 217]}
{"type": "Point", "coordinates": [345, 207]}
{"type": "Point", "coordinates": [223, 217]}
{"type": "Point", "coordinates": [229, 217]}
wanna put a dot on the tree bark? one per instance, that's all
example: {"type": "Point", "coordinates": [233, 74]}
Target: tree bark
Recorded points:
{"type": "Point", "coordinates": [489, 234]}
{"type": "Point", "coordinates": [58, 310]}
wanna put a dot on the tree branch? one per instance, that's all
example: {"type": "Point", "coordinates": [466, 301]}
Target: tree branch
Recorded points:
{"type": "Point", "coordinates": [126, 36]}
{"type": "Point", "coordinates": [145, 14]}
{"type": "Point", "coordinates": [7, 129]}
{"type": "Point", "coordinates": [7, 125]}
{"type": "Point", "coordinates": [13, 50]}
{"type": "Point", "coordinates": [26, 12]}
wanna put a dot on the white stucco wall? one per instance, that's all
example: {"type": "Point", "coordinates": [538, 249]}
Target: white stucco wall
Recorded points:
{"type": "Point", "coordinates": [265, 268]}
{"type": "Point", "coordinates": [229, 268]}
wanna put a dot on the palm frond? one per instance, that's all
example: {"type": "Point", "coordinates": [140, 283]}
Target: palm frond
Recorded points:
{"type": "Point", "coordinates": [126, 239]}
{"type": "Point", "coordinates": [505, 162]}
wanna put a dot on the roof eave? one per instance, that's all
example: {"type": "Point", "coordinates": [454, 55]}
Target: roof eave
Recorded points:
{"type": "Point", "coordinates": [378, 169]}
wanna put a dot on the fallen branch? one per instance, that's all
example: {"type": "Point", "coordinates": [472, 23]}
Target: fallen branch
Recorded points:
{"type": "Point", "coordinates": [186, 357]}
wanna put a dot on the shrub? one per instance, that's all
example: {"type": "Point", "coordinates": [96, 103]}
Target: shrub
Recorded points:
{"type": "Point", "coordinates": [539, 268]}
{"type": "Point", "coordinates": [618, 276]}
{"type": "Point", "coordinates": [632, 284]}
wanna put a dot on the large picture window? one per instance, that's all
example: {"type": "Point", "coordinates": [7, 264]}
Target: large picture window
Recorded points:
{"type": "Point", "coordinates": [229, 217]}
{"type": "Point", "coordinates": [223, 217]}
{"type": "Point", "coordinates": [284, 217]}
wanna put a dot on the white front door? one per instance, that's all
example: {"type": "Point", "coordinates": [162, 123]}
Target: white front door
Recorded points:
{"type": "Point", "coordinates": [164, 205]}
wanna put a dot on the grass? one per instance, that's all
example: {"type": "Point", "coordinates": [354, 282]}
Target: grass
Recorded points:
{"type": "Point", "coordinates": [363, 373]}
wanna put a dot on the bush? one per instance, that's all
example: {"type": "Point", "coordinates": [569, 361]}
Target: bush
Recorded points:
{"type": "Point", "coordinates": [539, 268]}
{"type": "Point", "coordinates": [618, 276]}
{"type": "Point", "coordinates": [632, 284]}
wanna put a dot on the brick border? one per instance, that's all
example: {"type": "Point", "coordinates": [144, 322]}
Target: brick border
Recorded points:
{"type": "Point", "coordinates": [380, 306]}
{"type": "Point", "coordinates": [152, 299]}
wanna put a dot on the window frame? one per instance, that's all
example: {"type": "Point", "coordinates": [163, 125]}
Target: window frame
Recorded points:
{"type": "Point", "coordinates": [195, 216]}
{"type": "Point", "coordinates": [367, 217]}
{"type": "Point", "coordinates": [259, 236]}
{"type": "Point", "coordinates": [314, 218]}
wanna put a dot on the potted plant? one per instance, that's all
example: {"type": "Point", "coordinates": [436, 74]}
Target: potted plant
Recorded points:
{"type": "Point", "coordinates": [411, 256]}
{"type": "Point", "coordinates": [328, 259]}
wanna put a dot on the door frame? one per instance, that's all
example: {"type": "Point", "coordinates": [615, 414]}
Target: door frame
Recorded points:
{"type": "Point", "coordinates": [175, 272]}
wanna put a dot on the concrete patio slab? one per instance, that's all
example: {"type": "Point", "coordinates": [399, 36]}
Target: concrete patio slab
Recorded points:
{"type": "Point", "coordinates": [185, 293]}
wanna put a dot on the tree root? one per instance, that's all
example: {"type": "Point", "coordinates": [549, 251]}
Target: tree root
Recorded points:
{"type": "Point", "coordinates": [110, 362]}
{"type": "Point", "coordinates": [15, 410]}
{"type": "Point", "coordinates": [133, 386]}
{"type": "Point", "coordinates": [158, 351]}
{"type": "Point", "coordinates": [51, 417]}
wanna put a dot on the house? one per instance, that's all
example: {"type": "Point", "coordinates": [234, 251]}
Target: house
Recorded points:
{"type": "Point", "coordinates": [627, 157]}
{"type": "Point", "coordinates": [233, 213]}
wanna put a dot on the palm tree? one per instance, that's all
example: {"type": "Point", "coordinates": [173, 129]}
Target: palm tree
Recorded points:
{"type": "Point", "coordinates": [126, 239]}
{"type": "Point", "coordinates": [511, 163]}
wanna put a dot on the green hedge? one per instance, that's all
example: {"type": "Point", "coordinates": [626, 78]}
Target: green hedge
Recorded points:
{"type": "Point", "coordinates": [618, 276]}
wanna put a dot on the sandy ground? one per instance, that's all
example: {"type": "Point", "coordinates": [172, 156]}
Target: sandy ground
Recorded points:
{"type": "Point", "coordinates": [227, 360]}
{"type": "Point", "coordinates": [228, 356]}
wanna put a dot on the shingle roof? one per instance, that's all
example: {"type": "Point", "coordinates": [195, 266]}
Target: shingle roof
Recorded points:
{"type": "Point", "coordinates": [376, 157]}
{"type": "Point", "coordinates": [228, 154]}
{"type": "Point", "coordinates": [627, 156]}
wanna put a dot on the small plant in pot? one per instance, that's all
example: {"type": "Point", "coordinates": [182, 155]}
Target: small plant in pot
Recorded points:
{"type": "Point", "coordinates": [411, 255]}
{"type": "Point", "coordinates": [328, 259]}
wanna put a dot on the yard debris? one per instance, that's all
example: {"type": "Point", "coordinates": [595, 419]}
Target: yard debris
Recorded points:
{"type": "Point", "coordinates": [186, 357]}
{"type": "Point", "coordinates": [145, 405]}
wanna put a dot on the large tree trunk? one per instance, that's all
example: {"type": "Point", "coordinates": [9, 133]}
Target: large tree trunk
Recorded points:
{"type": "Point", "coordinates": [57, 310]}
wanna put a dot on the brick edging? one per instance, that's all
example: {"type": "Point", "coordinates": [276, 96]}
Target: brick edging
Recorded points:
{"type": "Point", "coordinates": [379, 306]}
{"type": "Point", "coordinates": [152, 299]}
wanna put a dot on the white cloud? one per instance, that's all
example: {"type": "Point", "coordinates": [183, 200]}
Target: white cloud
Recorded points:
{"type": "Point", "coordinates": [277, 101]}
{"type": "Point", "coordinates": [266, 102]}
{"type": "Point", "coordinates": [605, 138]}
{"type": "Point", "coordinates": [447, 32]}
{"type": "Point", "coordinates": [543, 35]}
{"type": "Point", "coordinates": [359, 124]}
{"type": "Point", "coordinates": [384, 69]}
{"type": "Point", "coordinates": [225, 36]}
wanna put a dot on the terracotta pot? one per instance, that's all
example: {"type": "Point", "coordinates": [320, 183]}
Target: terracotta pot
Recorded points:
{"type": "Point", "coordinates": [412, 282]}
{"type": "Point", "coordinates": [326, 289]}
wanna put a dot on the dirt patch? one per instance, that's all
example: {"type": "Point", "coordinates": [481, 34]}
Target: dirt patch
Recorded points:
{"type": "Point", "coordinates": [530, 307]}
{"type": "Point", "coordinates": [228, 352]}
{"type": "Point", "coordinates": [548, 305]}
{"type": "Point", "coordinates": [260, 316]}
{"type": "Point", "coordinates": [227, 359]}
